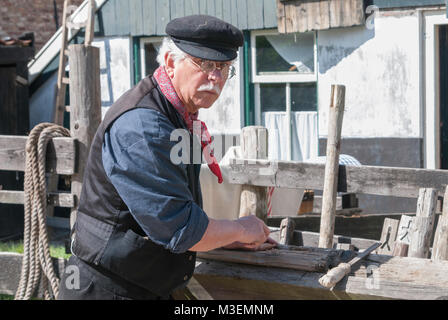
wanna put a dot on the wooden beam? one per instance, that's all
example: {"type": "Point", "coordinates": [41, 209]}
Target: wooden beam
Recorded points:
{"type": "Point", "coordinates": [287, 227]}
{"type": "Point", "coordinates": [60, 154]}
{"type": "Point", "coordinates": [386, 181]}
{"type": "Point", "coordinates": [378, 277]}
{"type": "Point", "coordinates": [57, 199]}
{"type": "Point", "coordinates": [332, 166]}
{"type": "Point", "coordinates": [388, 236]}
{"type": "Point", "coordinates": [366, 226]}
{"type": "Point", "coordinates": [301, 258]}
{"type": "Point", "coordinates": [440, 246]}
{"type": "Point", "coordinates": [85, 105]}
{"type": "Point", "coordinates": [423, 224]}
{"type": "Point", "coordinates": [254, 145]}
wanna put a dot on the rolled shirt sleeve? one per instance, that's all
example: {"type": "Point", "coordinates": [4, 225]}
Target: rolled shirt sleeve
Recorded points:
{"type": "Point", "coordinates": [136, 158]}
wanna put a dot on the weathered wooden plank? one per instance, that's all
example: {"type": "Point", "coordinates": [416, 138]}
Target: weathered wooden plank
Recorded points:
{"type": "Point", "coordinates": [163, 15]}
{"type": "Point", "coordinates": [269, 14]}
{"type": "Point", "coordinates": [332, 166]}
{"type": "Point", "coordinates": [150, 17]}
{"type": "Point", "coordinates": [281, 17]}
{"type": "Point", "coordinates": [136, 20]}
{"type": "Point", "coordinates": [254, 144]}
{"type": "Point", "coordinates": [242, 14]}
{"type": "Point", "coordinates": [219, 8]}
{"type": "Point", "coordinates": [211, 8]}
{"type": "Point", "coordinates": [349, 229]}
{"type": "Point", "coordinates": [85, 114]}
{"type": "Point", "coordinates": [234, 12]}
{"type": "Point", "coordinates": [60, 157]}
{"type": "Point", "coordinates": [404, 229]}
{"type": "Point", "coordinates": [191, 7]}
{"type": "Point", "coordinates": [301, 258]}
{"type": "Point", "coordinates": [108, 13]}
{"type": "Point", "coordinates": [387, 181]}
{"type": "Point", "coordinates": [123, 25]}
{"type": "Point", "coordinates": [224, 281]}
{"type": "Point", "coordinates": [440, 246]}
{"type": "Point", "coordinates": [379, 276]}
{"type": "Point", "coordinates": [203, 6]}
{"type": "Point", "coordinates": [388, 236]}
{"type": "Point", "coordinates": [177, 9]}
{"type": "Point", "coordinates": [65, 200]}
{"type": "Point", "coordinates": [423, 224]}
{"type": "Point", "coordinates": [227, 11]}
{"type": "Point", "coordinates": [309, 15]}
{"type": "Point", "coordinates": [255, 16]}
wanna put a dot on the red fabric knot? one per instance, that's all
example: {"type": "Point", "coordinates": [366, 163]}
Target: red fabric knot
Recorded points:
{"type": "Point", "coordinates": [190, 119]}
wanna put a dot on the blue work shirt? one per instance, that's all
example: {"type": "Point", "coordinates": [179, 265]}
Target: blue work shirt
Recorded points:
{"type": "Point", "coordinates": [136, 158]}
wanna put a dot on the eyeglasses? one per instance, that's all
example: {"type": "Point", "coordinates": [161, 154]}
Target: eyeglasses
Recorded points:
{"type": "Point", "coordinates": [207, 66]}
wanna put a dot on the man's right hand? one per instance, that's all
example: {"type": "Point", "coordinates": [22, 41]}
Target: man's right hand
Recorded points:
{"type": "Point", "coordinates": [255, 230]}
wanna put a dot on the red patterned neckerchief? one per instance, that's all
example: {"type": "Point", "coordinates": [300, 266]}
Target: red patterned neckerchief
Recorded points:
{"type": "Point", "coordinates": [168, 91]}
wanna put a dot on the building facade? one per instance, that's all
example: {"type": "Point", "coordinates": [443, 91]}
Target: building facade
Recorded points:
{"type": "Point", "coordinates": [394, 68]}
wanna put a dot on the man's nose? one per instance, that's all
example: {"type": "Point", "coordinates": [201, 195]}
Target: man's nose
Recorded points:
{"type": "Point", "coordinates": [216, 75]}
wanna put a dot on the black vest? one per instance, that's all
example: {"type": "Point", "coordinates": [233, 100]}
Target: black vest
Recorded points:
{"type": "Point", "coordinates": [106, 234]}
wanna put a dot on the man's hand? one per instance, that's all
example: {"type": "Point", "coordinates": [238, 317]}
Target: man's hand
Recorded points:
{"type": "Point", "coordinates": [255, 232]}
{"type": "Point", "coordinates": [269, 244]}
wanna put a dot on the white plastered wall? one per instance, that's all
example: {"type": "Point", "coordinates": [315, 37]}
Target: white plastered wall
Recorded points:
{"type": "Point", "coordinates": [381, 71]}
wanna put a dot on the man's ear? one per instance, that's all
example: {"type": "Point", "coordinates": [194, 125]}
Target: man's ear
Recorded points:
{"type": "Point", "coordinates": [169, 65]}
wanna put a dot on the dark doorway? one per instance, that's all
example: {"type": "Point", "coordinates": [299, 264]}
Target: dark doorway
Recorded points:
{"type": "Point", "coordinates": [443, 72]}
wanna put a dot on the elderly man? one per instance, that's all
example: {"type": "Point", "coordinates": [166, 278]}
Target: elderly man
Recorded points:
{"type": "Point", "coordinates": [140, 220]}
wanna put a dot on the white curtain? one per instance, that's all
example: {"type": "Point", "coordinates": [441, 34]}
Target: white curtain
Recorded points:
{"type": "Point", "coordinates": [296, 49]}
{"type": "Point", "coordinates": [304, 135]}
{"type": "Point", "coordinates": [304, 142]}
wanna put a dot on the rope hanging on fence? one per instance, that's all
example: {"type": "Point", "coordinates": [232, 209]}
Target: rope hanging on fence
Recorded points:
{"type": "Point", "coordinates": [37, 264]}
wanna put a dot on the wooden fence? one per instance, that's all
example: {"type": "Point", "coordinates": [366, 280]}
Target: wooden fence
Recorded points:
{"type": "Point", "coordinates": [64, 156]}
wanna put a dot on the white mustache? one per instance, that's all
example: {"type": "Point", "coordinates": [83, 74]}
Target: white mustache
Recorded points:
{"type": "Point", "coordinates": [210, 87]}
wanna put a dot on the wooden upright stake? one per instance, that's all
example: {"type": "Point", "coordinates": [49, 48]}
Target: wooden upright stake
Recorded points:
{"type": "Point", "coordinates": [440, 246]}
{"type": "Point", "coordinates": [85, 108]}
{"type": "Point", "coordinates": [422, 225]}
{"type": "Point", "coordinates": [90, 27]}
{"type": "Point", "coordinates": [332, 166]}
{"type": "Point", "coordinates": [254, 145]}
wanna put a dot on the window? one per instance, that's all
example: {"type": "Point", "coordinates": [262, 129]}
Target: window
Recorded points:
{"type": "Point", "coordinates": [149, 47]}
{"type": "Point", "coordinates": [284, 78]}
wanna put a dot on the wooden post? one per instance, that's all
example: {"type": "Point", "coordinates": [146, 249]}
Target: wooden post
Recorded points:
{"type": "Point", "coordinates": [85, 108]}
{"type": "Point", "coordinates": [423, 224]}
{"type": "Point", "coordinates": [440, 246]}
{"type": "Point", "coordinates": [332, 166]}
{"type": "Point", "coordinates": [400, 249]}
{"type": "Point", "coordinates": [90, 26]}
{"type": "Point", "coordinates": [287, 227]}
{"type": "Point", "coordinates": [388, 236]}
{"type": "Point", "coordinates": [254, 145]}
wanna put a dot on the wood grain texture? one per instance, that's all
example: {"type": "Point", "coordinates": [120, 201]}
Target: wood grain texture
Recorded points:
{"type": "Point", "coordinates": [332, 166]}
{"type": "Point", "coordinates": [387, 181]}
{"type": "Point", "coordinates": [60, 157]}
{"type": "Point", "coordinates": [254, 145]}
{"type": "Point", "coordinates": [85, 115]}
{"type": "Point", "coordinates": [423, 224]}
{"type": "Point", "coordinates": [440, 245]}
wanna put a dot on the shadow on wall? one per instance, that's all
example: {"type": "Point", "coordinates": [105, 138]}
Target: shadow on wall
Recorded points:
{"type": "Point", "coordinates": [348, 40]}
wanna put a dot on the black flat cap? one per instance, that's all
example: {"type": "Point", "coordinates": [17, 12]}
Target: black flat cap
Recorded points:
{"type": "Point", "coordinates": [205, 37]}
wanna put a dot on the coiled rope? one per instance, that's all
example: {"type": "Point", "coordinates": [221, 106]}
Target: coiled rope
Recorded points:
{"type": "Point", "coordinates": [37, 264]}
